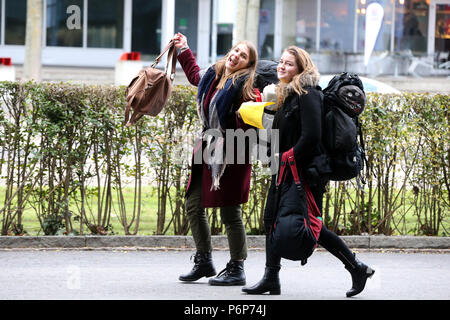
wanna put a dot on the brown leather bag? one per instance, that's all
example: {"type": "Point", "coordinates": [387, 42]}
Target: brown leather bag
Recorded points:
{"type": "Point", "coordinates": [148, 92]}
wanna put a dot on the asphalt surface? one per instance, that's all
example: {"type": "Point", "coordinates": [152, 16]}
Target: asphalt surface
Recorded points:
{"type": "Point", "coordinates": [131, 274]}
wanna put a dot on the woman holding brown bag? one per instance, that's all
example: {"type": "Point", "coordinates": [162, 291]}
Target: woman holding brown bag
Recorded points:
{"type": "Point", "coordinates": [221, 90]}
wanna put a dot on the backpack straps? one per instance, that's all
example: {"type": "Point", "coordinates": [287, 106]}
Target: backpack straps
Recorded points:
{"type": "Point", "coordinates": [280, 173]}
{"type": "Point", "coordinates": [172, 56]}
{"type": "Point", "coordinates": [158, 59]}
{"type": "Point", "coordinates": [295, 173]}
{"type": "Point", "coordinates": [365, 162]}
{"type": "Point", "coordinates": [288, 158]}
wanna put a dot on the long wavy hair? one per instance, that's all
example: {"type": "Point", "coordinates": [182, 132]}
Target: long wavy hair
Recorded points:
{"type": "Point", "coordinates": [247, 90]}
{"type": "Point", "coordinates": [306, 67]}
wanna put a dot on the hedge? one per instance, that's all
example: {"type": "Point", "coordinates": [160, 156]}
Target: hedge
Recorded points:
{"type": "Point", "coordinates": [63, 145]}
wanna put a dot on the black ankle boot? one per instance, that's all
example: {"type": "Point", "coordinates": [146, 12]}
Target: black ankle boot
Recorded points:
{"type": "Point", "coordinates": [269, 283]}
{"type": "Point", "coordinates": [203, 267]}
{"type": "Point", "coordinates": [232, 275]}
{"type": "Point", "coordinates": [360, 273]}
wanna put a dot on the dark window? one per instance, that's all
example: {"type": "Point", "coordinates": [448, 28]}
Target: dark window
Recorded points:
{"type": "Point", "coordinates": [411, 26]}
{"type": "Point", "coordinates": [105, 24]}
{"type": "Point", "coordinates": [1, 25]}
{"type": "Point", "coordinates": [306, 25]}
{"type": "Point", "coordinates": [186, 12]}
{"type": "Point", "coordinates": [146, 34]}
{"type": "Point", "coordinates": [15, 21]}
{"type": "Point", "coordinates": [337, 25]}
{"type": "Point", "coordinates": [224, 38]}
{"type": "Point", "coordinates": [266, 29]}
{"type": "Point", "coordinates": [65, 23]}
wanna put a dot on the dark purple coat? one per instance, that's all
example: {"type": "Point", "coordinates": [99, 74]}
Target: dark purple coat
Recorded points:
{"type": "Point", "coordinates": [235, 181]}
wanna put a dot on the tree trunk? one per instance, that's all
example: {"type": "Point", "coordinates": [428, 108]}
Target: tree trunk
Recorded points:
{"type": "Point", "coordinates": [246, 27]}
{"type": "Point", "coordinates": [33, 41]}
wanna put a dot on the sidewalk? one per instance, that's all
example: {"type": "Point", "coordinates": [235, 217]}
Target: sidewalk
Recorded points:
{"type": "Point", "coordinates": [218, 242]}
{"type": "Point", "coordinates": [153, 275]}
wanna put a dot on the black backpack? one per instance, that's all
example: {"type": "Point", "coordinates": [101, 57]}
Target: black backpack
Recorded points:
{"type": "Point", "coordinates": [343, 157]}
{"type": "Point", "coordinates": [266, 73]}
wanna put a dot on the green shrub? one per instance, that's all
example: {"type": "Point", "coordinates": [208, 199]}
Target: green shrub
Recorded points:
{"type": "Point", "coordinates": [68, 160]}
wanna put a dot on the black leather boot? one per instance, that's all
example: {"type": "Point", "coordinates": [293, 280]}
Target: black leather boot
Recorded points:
{"type": "Point", "coordinates": [232, 275]}
{"type": "Point", "coordinates": [203, 267]}
{"type": "Point", "coordinates": [269, 283]}
{"type": "Point", "coordinates": [359, 272]}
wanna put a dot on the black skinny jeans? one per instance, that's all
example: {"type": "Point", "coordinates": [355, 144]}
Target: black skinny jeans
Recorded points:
{"type": "Point", "coordinates": [327, 239]}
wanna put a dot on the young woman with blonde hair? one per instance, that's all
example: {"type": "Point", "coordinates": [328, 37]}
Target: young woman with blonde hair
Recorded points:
{"type": "Point", "coordinates": [221, 90]}
{"type": "Point", "coordinates": [299, 121]}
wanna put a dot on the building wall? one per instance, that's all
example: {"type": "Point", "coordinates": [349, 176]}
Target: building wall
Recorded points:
{"type": "Point", "coordinates": [97, 32]}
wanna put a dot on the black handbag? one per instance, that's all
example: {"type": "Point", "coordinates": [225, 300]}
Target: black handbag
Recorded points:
{"type": "Point", "coordinates": [296, 228]}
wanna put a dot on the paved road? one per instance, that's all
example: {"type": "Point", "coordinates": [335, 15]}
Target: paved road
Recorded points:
{"type": "Point", "coordinates": [153, 274]}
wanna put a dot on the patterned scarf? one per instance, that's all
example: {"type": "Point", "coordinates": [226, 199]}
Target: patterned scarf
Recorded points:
{"type": "Point", "coordinates": [219, 109]}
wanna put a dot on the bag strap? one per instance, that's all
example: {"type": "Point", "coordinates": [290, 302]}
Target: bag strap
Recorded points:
{"type": "Point", "coordinates": [280, 174]}
{"type": "Point", "coordinates": [173, 53]}
{"type": "Point", "coordinates": [172, 56]}
{"type": "Point", "coordinates": [158, 59]}
{"type": "Point", "coordinates": [290, 159]}
{"type": "Point", "coordinates": [293, 165]}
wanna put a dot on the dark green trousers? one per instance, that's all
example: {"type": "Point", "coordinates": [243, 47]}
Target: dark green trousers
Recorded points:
{"type": "Point", "coordinates": [231, 216]}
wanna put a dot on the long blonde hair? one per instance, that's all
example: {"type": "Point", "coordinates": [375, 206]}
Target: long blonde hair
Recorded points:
{"type": "Point", "coordinates": [305, 67]}
{"type": "Point", "coordinates": [247, 90]}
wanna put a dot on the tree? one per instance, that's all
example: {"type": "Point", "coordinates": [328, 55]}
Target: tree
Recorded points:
{"type": "Point", "coordinates": [33, 40]}
{"type": "Point", "coordinates": [246, 28]}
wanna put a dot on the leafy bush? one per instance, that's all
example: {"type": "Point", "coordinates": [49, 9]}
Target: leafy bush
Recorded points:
{"type": "Point", "coordinates": [63, 145]}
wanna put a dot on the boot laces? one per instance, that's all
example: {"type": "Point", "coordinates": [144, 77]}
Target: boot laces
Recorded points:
{"type": "Point", "coordinates": [198, 258]}
{"type": "Point", "coordinates": [193, 258]}
{"type": "Point", "coordinates": [228, 269]}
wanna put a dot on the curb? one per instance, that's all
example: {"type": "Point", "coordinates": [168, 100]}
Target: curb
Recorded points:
{"type": "Point", "coordinates": [218, 242]}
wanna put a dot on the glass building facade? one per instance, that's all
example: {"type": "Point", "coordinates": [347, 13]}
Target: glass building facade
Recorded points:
{"type": "Point", "coordinates": [339, 25]}
{"type": "Point", "coordinates": [96, 32]}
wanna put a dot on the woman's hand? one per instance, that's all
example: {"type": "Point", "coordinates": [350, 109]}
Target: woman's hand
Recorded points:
{"type": "Point", "coordinates": [180, 41]}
